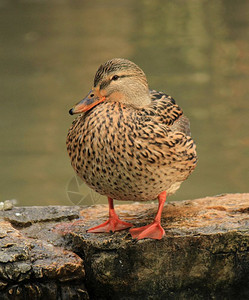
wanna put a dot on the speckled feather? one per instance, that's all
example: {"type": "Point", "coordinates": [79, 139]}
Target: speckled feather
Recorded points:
{"type": "Point", "coordinates": [132, 154]}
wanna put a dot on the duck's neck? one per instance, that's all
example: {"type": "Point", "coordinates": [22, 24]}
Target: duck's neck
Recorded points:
{"type": "Point", "coordinates": [136, 97]}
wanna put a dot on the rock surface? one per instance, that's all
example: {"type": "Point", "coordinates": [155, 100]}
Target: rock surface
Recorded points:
{"type": "Point", "coordinates": [46, 252]}
{"type": "Point", "coordinates": [33, 268]}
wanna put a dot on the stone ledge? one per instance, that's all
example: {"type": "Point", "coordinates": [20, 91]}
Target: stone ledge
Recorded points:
{"type": "Point", "coordinates": [204, 254]}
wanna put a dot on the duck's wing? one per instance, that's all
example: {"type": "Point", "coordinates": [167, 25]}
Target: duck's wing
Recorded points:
{"type": "Point", "coordinates": [163, 137]}
{"type": "Point", "coordinates": [167, 112]}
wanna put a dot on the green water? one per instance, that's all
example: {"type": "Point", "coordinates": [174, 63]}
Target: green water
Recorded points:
{"type": "Point", "coordinates": [196, 51]}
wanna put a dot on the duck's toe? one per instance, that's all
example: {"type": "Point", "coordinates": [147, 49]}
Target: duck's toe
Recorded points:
{"type": "Point", "coordinates": [152, 231]}
{"type": "Point", "coordinates": [111, 225]}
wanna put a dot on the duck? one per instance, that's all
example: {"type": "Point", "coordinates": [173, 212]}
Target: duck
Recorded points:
{"type": "Point", "coordinates": [130, 143]}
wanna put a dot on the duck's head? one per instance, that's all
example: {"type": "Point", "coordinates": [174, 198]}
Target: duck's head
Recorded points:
{"type": "Point", "coordinates": [117, 80]}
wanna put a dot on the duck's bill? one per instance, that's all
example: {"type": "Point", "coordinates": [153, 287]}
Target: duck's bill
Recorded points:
{"type": "Point", "coordinates": [91, 100]}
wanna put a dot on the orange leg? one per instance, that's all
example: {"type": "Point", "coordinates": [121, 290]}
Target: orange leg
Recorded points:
{"type": "Point", "coordinates": [153, 230]}
{"type": "Point", "coordinates": [113, 223]}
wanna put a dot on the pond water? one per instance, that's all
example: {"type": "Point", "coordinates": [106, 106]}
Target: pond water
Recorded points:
{"type": "Point", "coordinates": [196, 51]}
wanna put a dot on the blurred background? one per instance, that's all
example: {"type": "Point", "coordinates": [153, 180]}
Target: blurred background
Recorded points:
{"type": "Point", "coordinates": [195, 51]}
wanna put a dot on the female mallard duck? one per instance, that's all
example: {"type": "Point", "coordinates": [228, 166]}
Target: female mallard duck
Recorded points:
{"type": "Point", "coordinates": [130, 143]}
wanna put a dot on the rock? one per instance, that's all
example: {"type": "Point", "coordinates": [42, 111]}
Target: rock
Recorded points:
{"type": "Point", "coordinates": [35, 269]}
{"type": "Point", "coordinates": [203, 255]}
{"type": "Point", "coordinates": [26, 216]}
{"type": "Point", "coordinates": [8, 204]}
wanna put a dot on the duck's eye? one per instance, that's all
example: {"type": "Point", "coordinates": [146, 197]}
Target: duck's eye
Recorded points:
{"type": "Point", "coordinates": [115, 77]}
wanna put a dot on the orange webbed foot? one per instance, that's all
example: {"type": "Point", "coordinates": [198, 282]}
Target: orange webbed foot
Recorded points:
{"type": "Point", "coordinates": [152, 231]}
{"type": "Point", "coordinates": [112, 224]}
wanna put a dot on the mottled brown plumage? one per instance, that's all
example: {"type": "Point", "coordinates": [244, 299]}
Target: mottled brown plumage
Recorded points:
{"type": "Point", "coordinates": [130, 143]}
